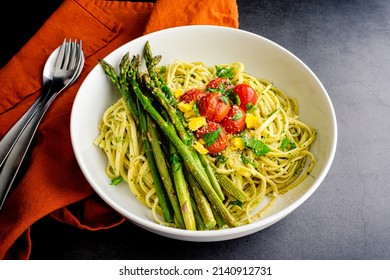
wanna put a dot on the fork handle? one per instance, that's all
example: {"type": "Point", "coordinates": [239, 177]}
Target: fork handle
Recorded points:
{"type": "Point", "coordinates": [9, 139]}
{"type": "Point", "coordinates": [13, 162]}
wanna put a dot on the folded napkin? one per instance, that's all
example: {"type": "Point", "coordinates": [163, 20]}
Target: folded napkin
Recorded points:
{"type": "Point", "coordinates": [52, 183]}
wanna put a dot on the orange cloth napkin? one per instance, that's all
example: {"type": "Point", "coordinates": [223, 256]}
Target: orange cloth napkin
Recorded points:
{"type": "Point", "coordinates": [53, 184]}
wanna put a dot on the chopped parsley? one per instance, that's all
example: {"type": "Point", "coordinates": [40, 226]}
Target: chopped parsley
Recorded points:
{"type": "Point", "coordinates": [116, 181]}
{"type": "Point", "coordinates": [222, 159]}
{"type": "Point", "coordinates": [234, 98]}
{"type": "Point", "coordinates": [237, 202]}
{"type": "Point", "coordinates": [163, 69]}
{"type": "Point", "coordinates": [220, 89]}
{"type": "Point", "coordinates": [196, 109]}
{"type": "Point", "coordinates": [250, 108]}
{"type": "Point", "coordinates": [238, 115]}
{"type": "Point", "coordinates": [176, 161]}
{"type": "Point", "coordinates": [247, 161]}
{"type": "Point", "coordinates": [224, 98]}
{"type": "Point", "coordinates": [212, 137]}
{"type": "Point", "coordinates": [257, 146]}
{"type": "Point", "coordinates": [224, 72]}
{"type": "Point", "coordinates": [287, 144]}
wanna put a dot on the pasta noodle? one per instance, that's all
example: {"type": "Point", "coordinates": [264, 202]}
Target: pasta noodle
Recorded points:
{"type": "Point", "coordinates": [263, 178]}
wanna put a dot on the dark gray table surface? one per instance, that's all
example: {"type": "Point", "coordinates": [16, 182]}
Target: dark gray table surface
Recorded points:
{"type": "Point", "coordinates": [347, 45]}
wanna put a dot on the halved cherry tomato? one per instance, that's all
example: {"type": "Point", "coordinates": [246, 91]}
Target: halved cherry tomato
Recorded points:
{"type": "Point", "coordinates": [246, 94]}
{"type": "Point", "coordinates": [216, 83]}
{"type": "Point", "coordinates": [214, 136]}
{"type": "Point", "coordinates": [214, 106]}
{"type": "Point", "coordinates": [192, 94]}
{"type": "Point", "coordinates": [234, 122]}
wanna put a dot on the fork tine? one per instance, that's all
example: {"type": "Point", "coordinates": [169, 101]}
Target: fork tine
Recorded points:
{"type": "Point", "coordinates": [73, 57]}
{"type": "Point", "coordinates": [80, 47]}
{"type": "Point", "coordinates": [80, 51]}
{"type": "Point", "coordinates": [77, 54]}
{"type": "Point", "coordinates": [61, 54]}
{"type": "Point", "coordinates": [68, 52]}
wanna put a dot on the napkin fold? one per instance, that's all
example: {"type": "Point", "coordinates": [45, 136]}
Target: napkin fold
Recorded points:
{"type": "Point", "coordinates": [52, 183]}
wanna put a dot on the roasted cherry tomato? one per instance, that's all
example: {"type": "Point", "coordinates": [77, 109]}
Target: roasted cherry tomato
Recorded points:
{"type": "Point", "coordinates": [192, 94]}
{"type": "Point", "coordinates": [246, 94]}
{"type": "Point", "coordinates": [216, 84]}
{"type": "Point", "coordinates": [234, 122]}
{"type": "Point", "coordinates": [214, 106]}
{"type": "Point", "coordinates": [214, 137]}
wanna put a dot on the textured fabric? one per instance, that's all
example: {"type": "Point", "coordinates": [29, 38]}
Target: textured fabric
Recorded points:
{"type": "Point", "coordinates": [52, 183]}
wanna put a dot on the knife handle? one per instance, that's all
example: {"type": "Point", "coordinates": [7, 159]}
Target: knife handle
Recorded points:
{"type": "Point", "coordinates": [9, 139]}
{"type": "Point", "coordinates": [12, 163]}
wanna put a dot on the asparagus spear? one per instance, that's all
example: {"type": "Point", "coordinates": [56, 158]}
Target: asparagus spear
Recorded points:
{"type": "Point", "coordinates": [201, 202]}
{"type": "Point", "coordinates": [212, 176]}
{"type": "Point", "coordinates": [163, 170]}
{"type": "Point", "coordinates": [121, 83]}
{"type": "Point", "coordinates": [229, 187]}
{"type": "Point", "coordinates": [198, 218]}
{"type": "Point", "coordinates": [182, 190]}
{"type": "Point", "coordinates": [220, 222]}
{"type": "Point", "coordinates": [158, 184]}
{"type": "Point", "coordinates": [172, 111]}
{"type": "Point", "coordinates": [151, 62]}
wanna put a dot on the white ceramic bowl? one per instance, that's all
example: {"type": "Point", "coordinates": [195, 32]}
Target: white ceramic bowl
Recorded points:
{"type": "Point", "coordinates": [212, 45]}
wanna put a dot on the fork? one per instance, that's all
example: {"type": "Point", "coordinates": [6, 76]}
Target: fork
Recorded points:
{"type": "Point", "coordinates": [70, 61]}
{"type": "Point", "coordinates": [10, 138]}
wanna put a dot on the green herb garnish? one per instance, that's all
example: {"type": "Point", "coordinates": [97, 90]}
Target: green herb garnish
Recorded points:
{"type": "Point", "coordinates": [257, 146]}
{"type": "Point", "coordinates": [212, 137]}
{"type": "Point", "coordinates": [287, 144]}
{"type": "Point", "coordinates": [247, 161]}
{"type": "Point", "coordinates": [224, 72]}
{"type": "Point", "coordinates": [116, 181]}
{"type": "Point", "coordinates": [238, 115]}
